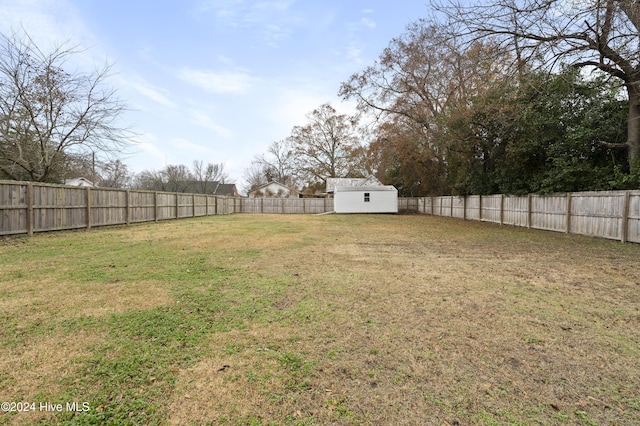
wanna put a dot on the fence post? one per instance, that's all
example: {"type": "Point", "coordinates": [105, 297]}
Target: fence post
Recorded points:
{"type": "Point", "coordinates": [127, 207]}
{"type": "Point", "coordinates": [177, 206]}
{"type": "Point", "coordinates": [625, 217]}
{"type": "Point", "coordinates": [155, 206]}
{"type": "Point", "coordinates": [432, 205]}
{"type": "Point", "coordinates": [30, 217]}
{"type": "Point", "coordinates": [568, 219]}
{"type": "Point", "coordinates": [451, 206]}
{"type": "Point", "coordinates": [464, 208]}
{"type": "Point", "coordinates": [528, 211]}
{"type": "Point", "coordinates": [193, 205]}
{"type": "Point", "coordinates": [501, 209]}
{"type": "Point", "coordinates": [480, 208]}
{"type": "Point", "coordinates": [88, 207]}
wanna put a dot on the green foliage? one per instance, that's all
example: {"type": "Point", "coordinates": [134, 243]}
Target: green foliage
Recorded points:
{"type": "Point", "coordinates": [542, 135]}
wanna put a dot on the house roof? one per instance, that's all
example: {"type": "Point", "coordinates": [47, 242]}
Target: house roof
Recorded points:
{"type": "Point", "coordinates": [225, 189]}
{"type": "Point", "coordinates": [80, 181]}
{"type": "Point", "coordinates": [213, 187]}
{"type": "Point", "coordinates": [332, 183]}
{"type": "Point", "coordinates": [273, 182]}
{"type": "Point", "coordinates": [368, 188]}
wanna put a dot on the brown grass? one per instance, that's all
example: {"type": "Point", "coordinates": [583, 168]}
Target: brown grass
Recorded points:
{"type": "Point", "coordinates": [358, 320]}
{"type": "Point", "coordinates": [417, 320]}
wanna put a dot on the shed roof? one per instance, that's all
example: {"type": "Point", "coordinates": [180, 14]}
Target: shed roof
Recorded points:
{"type": "Point", "coordinates": [365, 188]}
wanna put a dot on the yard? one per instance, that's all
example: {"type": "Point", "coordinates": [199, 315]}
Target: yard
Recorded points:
{"type": "Point", "coordinates": [314, 320]}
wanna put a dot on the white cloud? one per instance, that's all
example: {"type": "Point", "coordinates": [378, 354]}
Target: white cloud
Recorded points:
{"type": "Point", "coordinates": [203, 120]}
{"type": "Point", "coordinates": [151, 92]}
{"type": "Point", "coordinates": [186, 147]}
{"type": "Point", "coordinates": [51, 24]}
{"type": "Point", "coordinates": [273, 20]}
{"type": "Point", "coordinates": [368, 23]}
{"type": "Point", "coordinates": [217, 82]}
{"type": "Point", "coordinates": [148, 153]}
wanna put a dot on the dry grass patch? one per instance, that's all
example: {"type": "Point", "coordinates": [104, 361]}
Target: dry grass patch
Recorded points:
{"type": "Point", "coordinates": [33, 371]}
{"type": "Point", "coordinates": [33, 302]}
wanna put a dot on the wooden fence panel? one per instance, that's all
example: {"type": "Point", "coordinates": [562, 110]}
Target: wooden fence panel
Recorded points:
{"type": "Point", "coordinates": [108, 206]}
{"type": "Point", "coordinates": [142, 206]}
{"type": "Point", "coordinates": [184, 205]}
{"type": "Point", "coordinates": [13, 209]}
{"type": "Point", "coordinates": [491, 208]}
{"type": "Point", "coordinates": [59, 207]}
{"type": "Point", "coordinates": [597, 214]}
{"type": "Point", "coordinates": [406, 204]}
{"type": "Point", "coordinates": [458, 207]}
{"type": "Point", "coordinates": [473, 207]}
{"type": "Point", "coordinates": [271, 205]}
{"type": "Point", "coordinates": [294, 206]}
{"type": "Point", "coordinates": [200, 205]}
{"type": "Point", "coordinates": [445, 206]}
{"type": "Point", "coordinates": [549, 212]}
{"type": "Point", "coordinates": [250, 205]}
{"type": "Point", "coordinates": [633, 224]}
{"type": "Point", "coordinates": [515, 211]}
{"type": "Point", "coordinates": [437, 206]}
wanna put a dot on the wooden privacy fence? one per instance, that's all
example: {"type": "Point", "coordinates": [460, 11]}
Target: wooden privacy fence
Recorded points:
{"type": "Point", "coordinates": [611, 214]}
{"type": "Point", "coordinates": [286, 205]}
{"type": "Point", "coordinates": [27, 207]}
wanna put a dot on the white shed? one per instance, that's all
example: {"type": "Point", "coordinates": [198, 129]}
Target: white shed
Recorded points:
{"type": "Point", "coordinates": [366, 199]}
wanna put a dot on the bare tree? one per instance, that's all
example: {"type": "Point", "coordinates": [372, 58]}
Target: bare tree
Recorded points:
{"type": "Point", "coordinates": [115, 174]}
{"type": "Point", "coordinates": [49, 113]}
{"type": "Point", "coordinates": [278, 163]}
{"type": "Point", "coordinates": [254, 176]}
{"type": "Point", "coordinates": [206, 176]}
{"type": "Point", "coordinates": [327, 146]}
{"type": "Point", "coordinates": [422, 73]}
{"type": "Point", "coordinates": [600, 34]}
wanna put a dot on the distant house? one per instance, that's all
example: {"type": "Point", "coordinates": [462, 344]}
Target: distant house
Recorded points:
{"type": "Point", "coordinates": [273, 189]}
{"type": "Point", "coordinates": [365, 195]}
{"type": "Point", "coordinates": [226, 189]}
{"type": "Point", "coordinates": [79, 182]}
{"type": "Point", "coordinates": [211, 188]}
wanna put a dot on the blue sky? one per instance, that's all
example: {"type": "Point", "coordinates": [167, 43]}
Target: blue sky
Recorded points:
{"type": "Point", "coordinates": [217, 80]}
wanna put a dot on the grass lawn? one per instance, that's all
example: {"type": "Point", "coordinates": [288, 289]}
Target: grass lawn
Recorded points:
{"type": "Point", "coordinates": [315, 320]}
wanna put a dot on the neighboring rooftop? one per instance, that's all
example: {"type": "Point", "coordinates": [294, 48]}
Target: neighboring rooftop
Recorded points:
{"type": "Point", "coordinates": [332, 183]}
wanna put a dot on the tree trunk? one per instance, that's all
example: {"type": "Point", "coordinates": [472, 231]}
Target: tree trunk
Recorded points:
{"type": "Point", "coordinates": [633, 127]}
